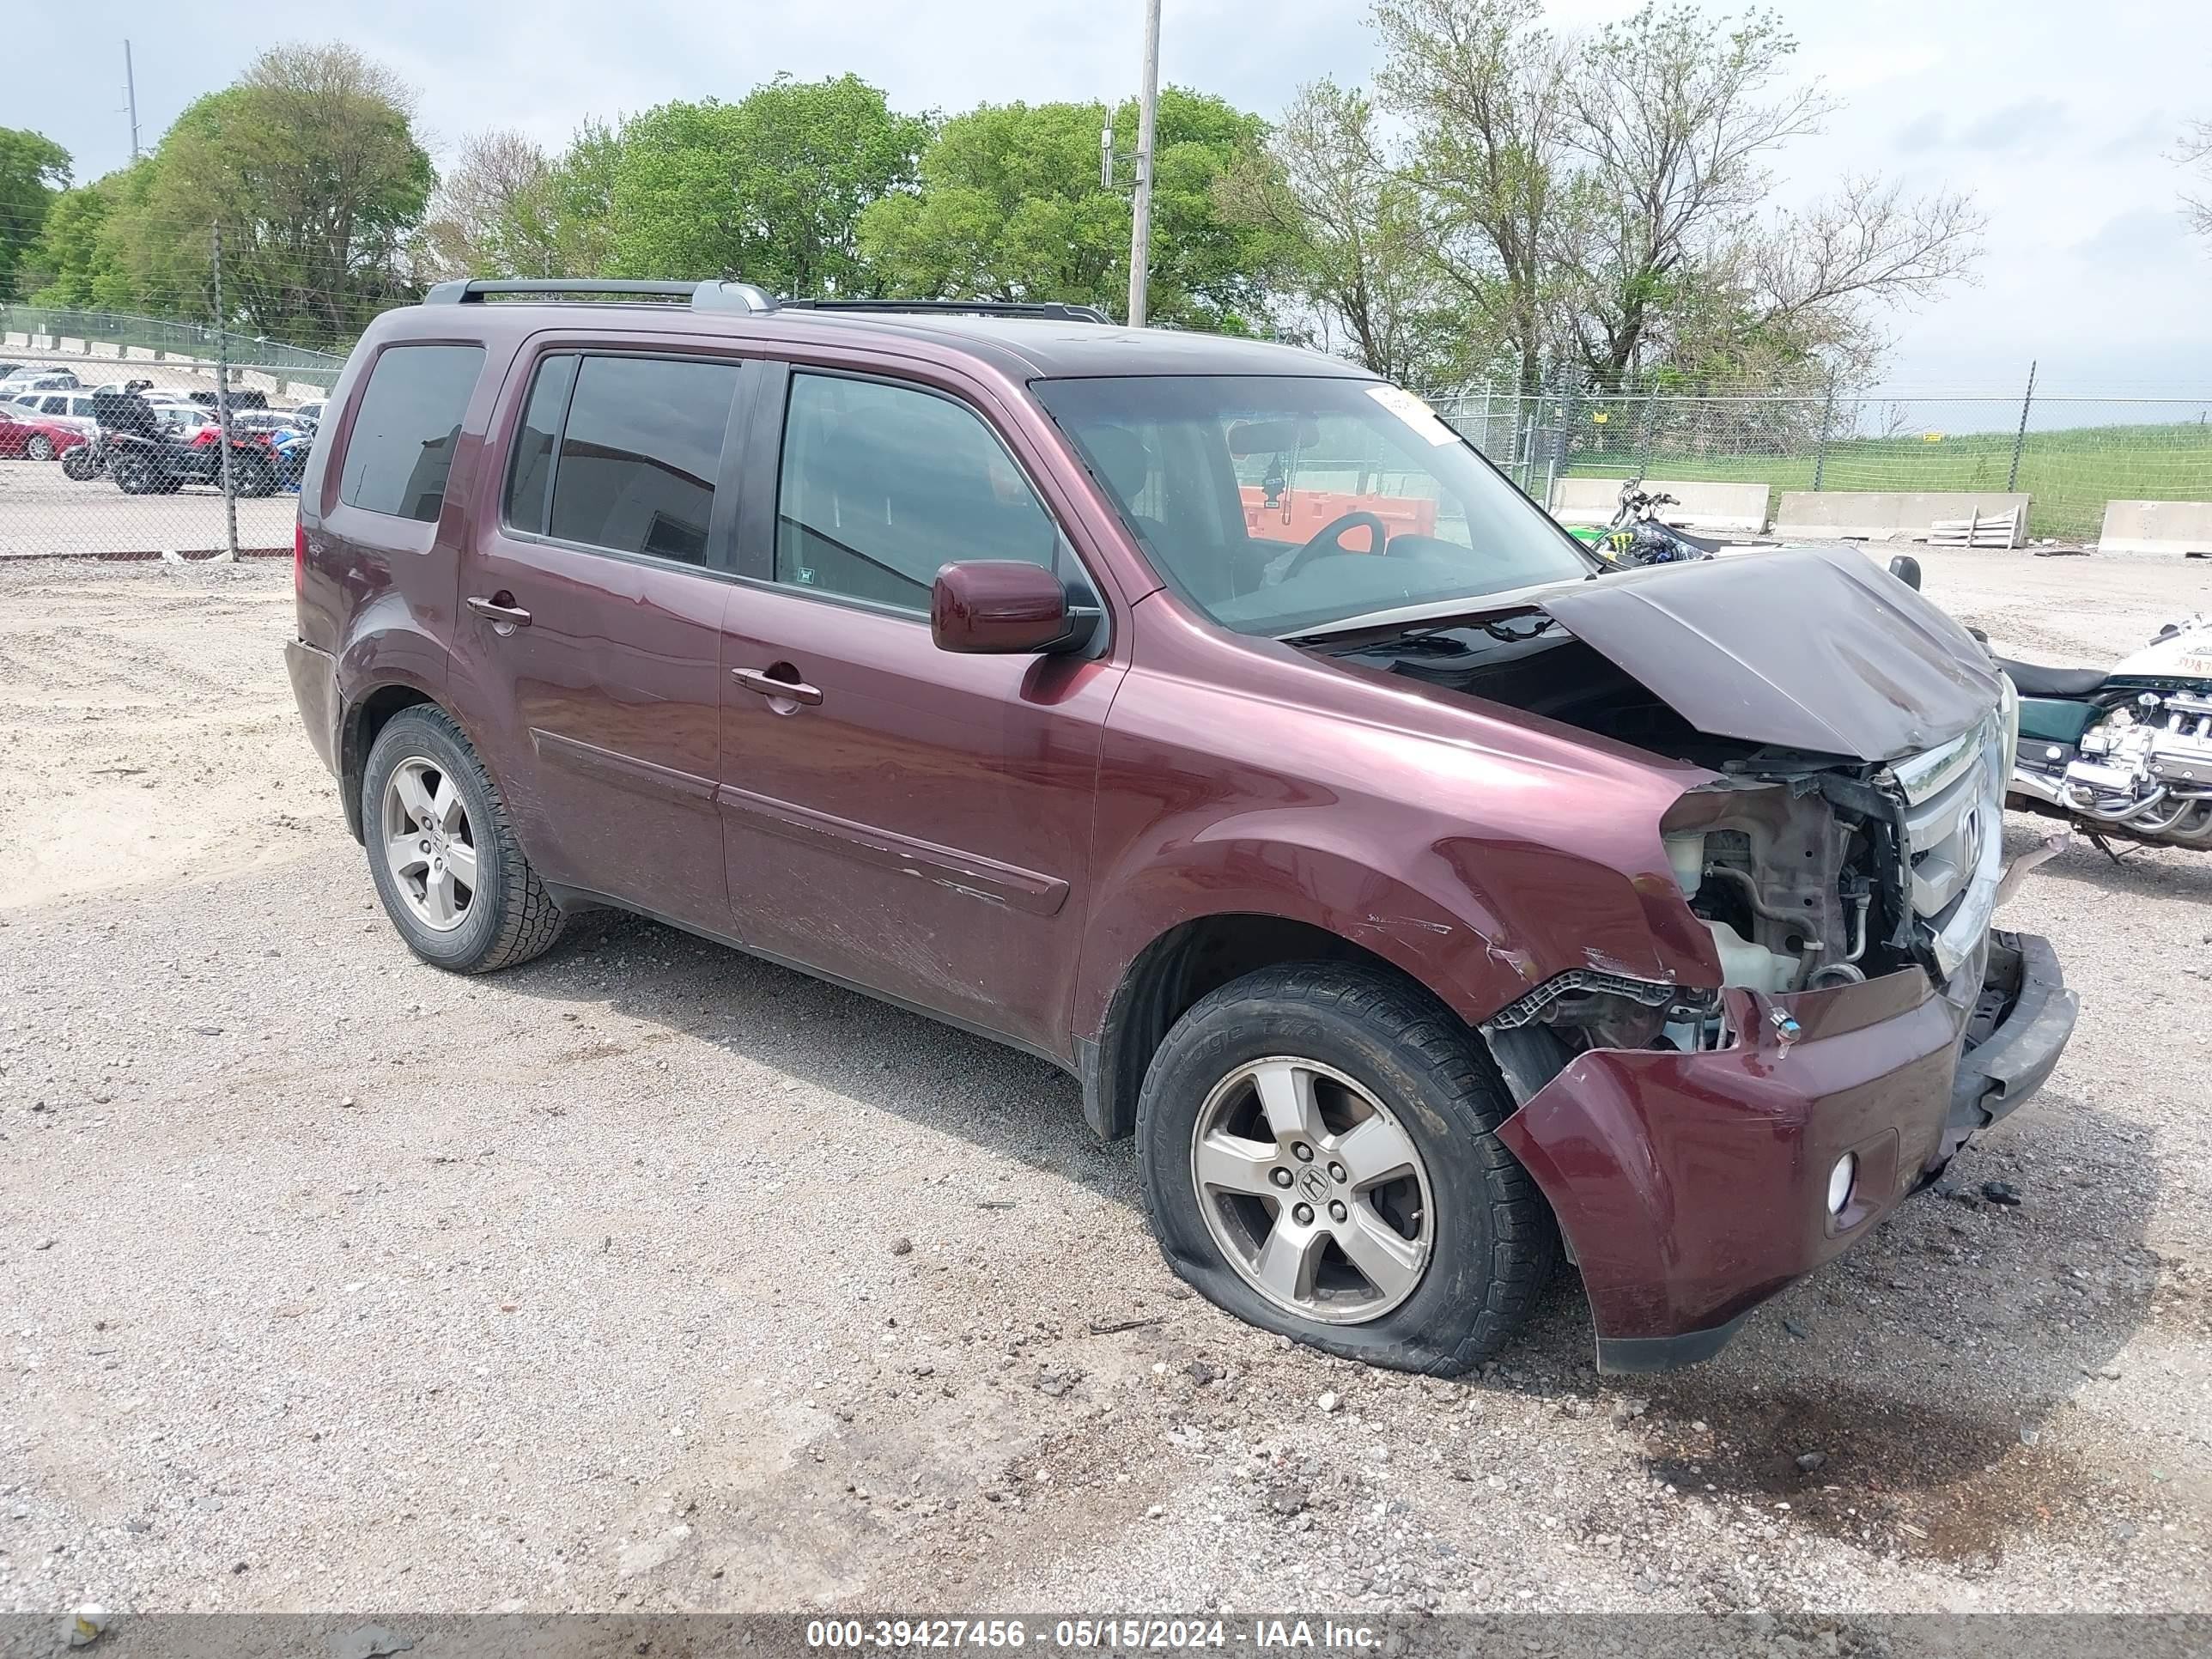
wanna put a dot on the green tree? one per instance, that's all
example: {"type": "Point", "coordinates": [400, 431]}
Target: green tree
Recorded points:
{"type": "Point", "coordinates": [1352, 245]}
{"type": "Point", "coordinates": [1011, 207]}
{"type": "Point", "coordinates": [770, 189]}
{"type": "Point", "coordinates": [35, 171]}
{"type": "Point", "coordinates": [309, 164]}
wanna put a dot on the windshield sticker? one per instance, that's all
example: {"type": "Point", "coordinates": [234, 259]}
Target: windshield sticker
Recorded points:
{"type": "Point", "coordinates": [1414, 412]}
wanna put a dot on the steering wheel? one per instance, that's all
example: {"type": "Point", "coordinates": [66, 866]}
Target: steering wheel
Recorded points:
{"type": "Point", "coordinates": [1330, 537]}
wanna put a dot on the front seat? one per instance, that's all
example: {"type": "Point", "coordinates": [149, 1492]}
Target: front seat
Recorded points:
{"type": "Point", "coordinates": [2034, 680]}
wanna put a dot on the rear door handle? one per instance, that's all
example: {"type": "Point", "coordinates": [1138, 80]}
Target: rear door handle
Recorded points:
{"type": "Point", "coordinates": [513, 616]}
{"type": "Point", "coordinates": [755, 679]}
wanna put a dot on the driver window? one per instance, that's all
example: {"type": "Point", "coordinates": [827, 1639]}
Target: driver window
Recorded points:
{"type": "Point", "coordinates": [883, 486]}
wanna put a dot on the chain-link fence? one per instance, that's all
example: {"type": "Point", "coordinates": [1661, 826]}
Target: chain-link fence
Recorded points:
{"type": "Point", "coordinates": [159, 486]}
{"type": "Point", "coordinates": [2071, 454]}
{"type": "Point", "coordinates": [153, 479]}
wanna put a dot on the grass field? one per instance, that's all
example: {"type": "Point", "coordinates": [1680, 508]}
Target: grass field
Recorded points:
{"type": "Point", "coordinates": [2070, 474]}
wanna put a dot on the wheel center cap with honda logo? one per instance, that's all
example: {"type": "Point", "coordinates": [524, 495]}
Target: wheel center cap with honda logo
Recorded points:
{"type": "Point", "coordinates": [1313, 1183]}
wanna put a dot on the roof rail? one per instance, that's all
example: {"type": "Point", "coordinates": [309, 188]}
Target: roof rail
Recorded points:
{"type": "Point", "coordinates": [1055, 310]}
{"type": "Point", "coordinates": [702, 296]}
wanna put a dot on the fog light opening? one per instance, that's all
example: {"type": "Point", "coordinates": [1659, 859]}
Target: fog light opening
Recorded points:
{"type": "Point", "coordinates": [1840, 1182]}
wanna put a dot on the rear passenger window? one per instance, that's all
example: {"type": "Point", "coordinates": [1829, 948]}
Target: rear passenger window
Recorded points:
{"type": "Point", "coordinates": [881, 487]}
{"type": "Point", "coordinates": [634, 470]}
{"type": "Point", "coordinates": [406, 428]}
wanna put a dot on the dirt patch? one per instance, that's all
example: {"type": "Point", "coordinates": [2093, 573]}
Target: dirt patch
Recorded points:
{"type": "Point", "coordinates": [1872, 1471]}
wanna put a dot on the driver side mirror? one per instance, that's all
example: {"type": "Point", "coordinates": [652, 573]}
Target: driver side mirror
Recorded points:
{"type": "Point", "coordinates": [1005, 607]}
{"type": "Point", "coordinates": [1906, 569]}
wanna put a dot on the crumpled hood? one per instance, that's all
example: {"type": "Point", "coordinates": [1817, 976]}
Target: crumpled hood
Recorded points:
{"type": "Point", "coordinates": [1812, 648]}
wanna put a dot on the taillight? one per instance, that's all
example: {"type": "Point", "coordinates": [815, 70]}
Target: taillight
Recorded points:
{"type": "Point", "coordinates": [299, 559]}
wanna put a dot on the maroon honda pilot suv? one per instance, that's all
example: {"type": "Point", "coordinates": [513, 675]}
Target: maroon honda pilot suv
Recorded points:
{"type": "Point", "coordinates": [1207, 717]}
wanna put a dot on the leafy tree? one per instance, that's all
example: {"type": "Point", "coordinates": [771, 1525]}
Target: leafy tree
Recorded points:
{"type": "Point", "coordinates": [770, 189]}
{"type": "Point", "coordinates": [309, 164]}
{"type": "Point", "coordinates": [1486, 92]}
{"type": "Point", "coordinates": [1350, 243]}
{"type": "Point", "coordinates": [1011, 207]}
{"type": "Point", "coordinates": [35, 171]}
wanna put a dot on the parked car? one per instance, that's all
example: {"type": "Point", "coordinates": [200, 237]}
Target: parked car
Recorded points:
{"type": "Point", "coordinates": [1207, 717]}
{"type": "Point", "coordinates": [34, 377]}
{"type": "Point", "coordinates": [311, 412]}
{"type": "Point", "coordinates": [77, 406]}
{"type": "Point", "coordinates": [29, 435]}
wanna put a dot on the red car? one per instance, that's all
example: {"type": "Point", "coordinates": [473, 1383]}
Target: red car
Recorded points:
{"type": "Point", "coordinates": [26, 436]}
{"type": "Point", "coordinates": [1209, 718]}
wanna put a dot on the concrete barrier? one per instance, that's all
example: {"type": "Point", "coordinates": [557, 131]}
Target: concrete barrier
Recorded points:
{"type": "Point", "coordinates": [2156, 527]}
{"type": "Point", "coordinates": [1718, 507]}
{"type": "Point", "coordinates": [1881, 515]}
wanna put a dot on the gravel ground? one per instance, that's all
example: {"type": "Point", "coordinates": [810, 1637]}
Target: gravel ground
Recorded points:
{"type": "Point", "coordinates": [42, 508]}
{"type": "Point", "coordinates": [648, 1277]}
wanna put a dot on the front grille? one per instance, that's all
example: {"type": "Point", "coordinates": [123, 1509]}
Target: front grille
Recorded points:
{"type": "Point", "coordinates": [1954, 825]}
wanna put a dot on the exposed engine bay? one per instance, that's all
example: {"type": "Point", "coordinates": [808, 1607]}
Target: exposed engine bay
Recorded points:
{"type": "Point", "coordinates": [1809, 870]}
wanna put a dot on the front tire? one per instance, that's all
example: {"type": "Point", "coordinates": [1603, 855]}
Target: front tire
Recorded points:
{"type": "Point", "coordinates": [41, 448]}
{"type": "Point", "coordinates": [453, 879]}
{"type": "Point", "coordinates": [1317, 1147]}
{"type": "Point", "coordinates": [81, 462]}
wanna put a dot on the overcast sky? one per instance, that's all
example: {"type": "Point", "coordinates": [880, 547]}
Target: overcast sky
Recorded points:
{"type": "Point", "coordinates": [2055, 115]}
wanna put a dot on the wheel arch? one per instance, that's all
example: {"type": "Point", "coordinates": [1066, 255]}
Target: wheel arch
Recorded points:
{"type": "Point", "coordinates": [364, 718]}
{"type": "Point", "coordinates": [1181, 964]}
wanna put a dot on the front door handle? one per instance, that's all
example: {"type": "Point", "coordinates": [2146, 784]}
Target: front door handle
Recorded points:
{"type": "Point", "coordinates": [500, 611]}
{"type": "Point", "coordinates": [755, 679]}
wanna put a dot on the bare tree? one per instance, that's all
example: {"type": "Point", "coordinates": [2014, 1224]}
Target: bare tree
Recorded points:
{"type": "Point", "coordinates": [1353, 245]}
{"type": "Point", "coordinates": [1814, 274]}
{"type": "Point", "coordinates": [1602, 199]}
{"type": "Point", "coordinates": [494, 213]}
{"type": "Point", "coordinates": [1673, 121]}
{"type": "Point", "coordinates": [2196, 152]}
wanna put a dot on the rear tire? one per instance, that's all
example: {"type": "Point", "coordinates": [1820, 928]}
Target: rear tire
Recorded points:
{"type": "Point", "coordinates": [134, 475]}
{"type": "Point", "coordinates": [41, 448]}
{"type": "Point", "coordinates": [451, 876]}
{"type": "Point", "coordinates": [1391, 1064]}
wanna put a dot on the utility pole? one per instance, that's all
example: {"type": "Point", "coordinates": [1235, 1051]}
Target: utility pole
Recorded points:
{"type": "Point", "coordinates": [1140, 228]}
{"type": "Point", "coordinates": [222, 405]}
{"type": "Point", "coordinates": [130, 92]}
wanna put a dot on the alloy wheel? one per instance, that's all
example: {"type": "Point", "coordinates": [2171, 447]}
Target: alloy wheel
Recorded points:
{"type": "Point", "coordinates": [41, 448]}
{"type": "Point", "coordinates": [1313, 1190]}
{"type": "Point", "coordinates": [429, 846]}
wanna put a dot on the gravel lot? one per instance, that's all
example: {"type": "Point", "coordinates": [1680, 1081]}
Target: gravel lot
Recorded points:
{"type": "Point", "coordinates": [649, 1277]}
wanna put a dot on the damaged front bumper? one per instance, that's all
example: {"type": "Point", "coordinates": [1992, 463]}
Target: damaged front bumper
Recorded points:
{"type": "Point", "coordinates": [1692, 1187]}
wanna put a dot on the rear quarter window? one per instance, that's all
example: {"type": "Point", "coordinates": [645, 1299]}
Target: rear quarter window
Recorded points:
{"type": "Point", "coordinates": [409, 422]}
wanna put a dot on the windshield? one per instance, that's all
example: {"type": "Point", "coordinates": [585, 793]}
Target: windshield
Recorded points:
{"type": "Point", "coordinates": [1280, 504]}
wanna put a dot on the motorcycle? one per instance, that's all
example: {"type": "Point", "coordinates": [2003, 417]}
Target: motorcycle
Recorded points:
{"type": "Point", "coordinates": [2120, 753]}
{"type": "Point", "coordinates": [1638, 536]}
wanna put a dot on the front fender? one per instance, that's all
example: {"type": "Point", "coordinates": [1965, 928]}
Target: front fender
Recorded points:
{"type": "Point", "coordinates": [1479, 922]}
